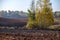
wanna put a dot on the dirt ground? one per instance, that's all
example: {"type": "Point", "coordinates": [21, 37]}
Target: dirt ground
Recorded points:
{"type": "Point", "coordinates": [31, 35]}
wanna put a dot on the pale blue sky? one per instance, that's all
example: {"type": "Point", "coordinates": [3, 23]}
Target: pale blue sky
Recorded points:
{"type": "Point", "coordinates": [24, 5]}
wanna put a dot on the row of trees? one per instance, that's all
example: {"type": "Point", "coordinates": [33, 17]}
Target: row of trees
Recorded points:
{"type": "Point", "coordinates": [40, 15]}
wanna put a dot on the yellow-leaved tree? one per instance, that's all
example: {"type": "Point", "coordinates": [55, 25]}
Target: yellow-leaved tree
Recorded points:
{"type": "Point", "coordinates": [45, 17]}
{"type": "Point", "coordinates": [31, 16]}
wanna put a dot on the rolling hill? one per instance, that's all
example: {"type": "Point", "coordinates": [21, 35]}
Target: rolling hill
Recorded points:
{"type": "Point", "coordinates": [13, 21]}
